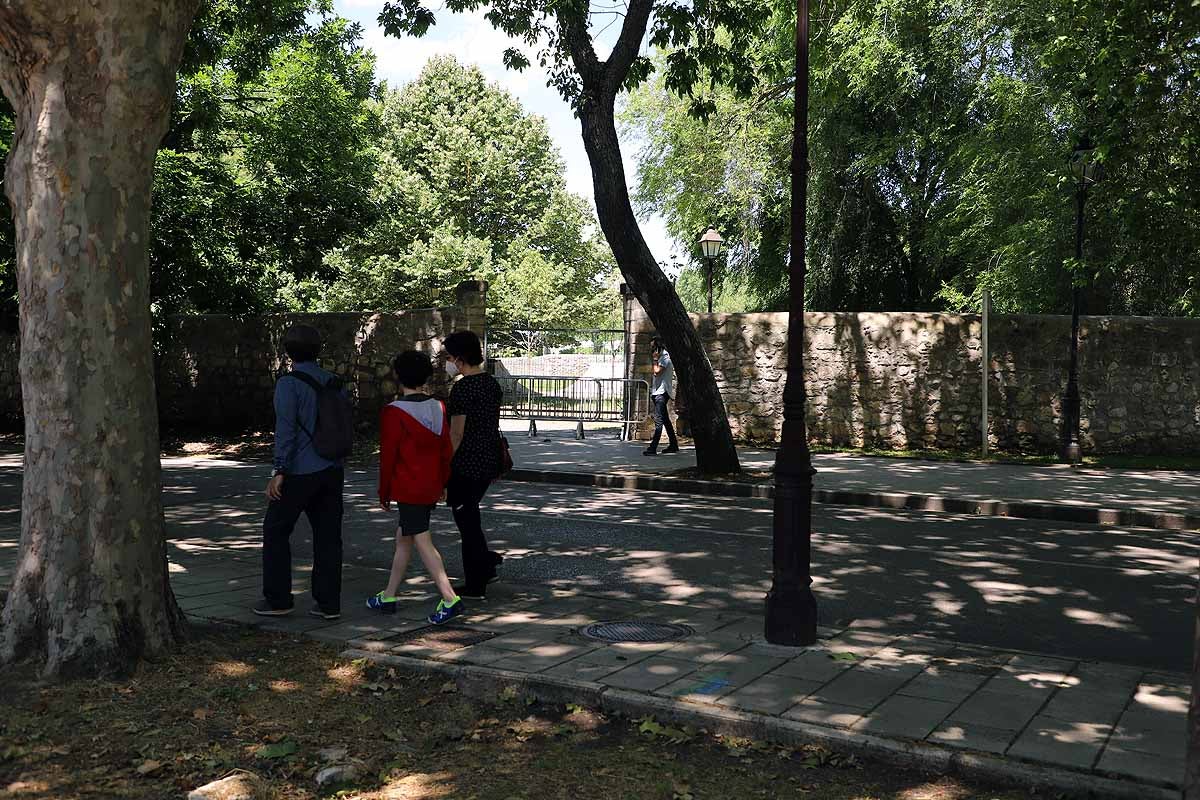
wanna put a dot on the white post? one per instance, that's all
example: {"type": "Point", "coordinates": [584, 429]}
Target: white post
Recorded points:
{"type": "Point", "coordinates": [986, 360]}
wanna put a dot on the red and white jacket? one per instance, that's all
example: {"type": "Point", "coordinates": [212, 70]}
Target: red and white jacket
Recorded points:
{"type": "Point", "coordinates": [414, 451]}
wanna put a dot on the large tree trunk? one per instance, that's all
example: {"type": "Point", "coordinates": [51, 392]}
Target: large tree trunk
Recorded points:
{"type": "Point", "coordinates": [1191, 780]}
{"type": "Point", "coordinates": [715, 451]}
{"type": "Point", "coordinates": [91, 82]}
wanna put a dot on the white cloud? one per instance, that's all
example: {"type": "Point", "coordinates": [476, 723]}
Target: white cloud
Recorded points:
{"type": "Point", "coordinates": [470, 38]}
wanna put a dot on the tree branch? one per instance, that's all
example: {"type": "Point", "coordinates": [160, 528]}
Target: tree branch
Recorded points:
{"type": "Point", "coordinates": [572, 29]}
{"type": "Point", "coordinates": [629, 44]}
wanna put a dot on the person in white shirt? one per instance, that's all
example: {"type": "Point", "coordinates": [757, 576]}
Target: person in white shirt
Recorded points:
{"type": "Point", "coordinates": [661, 392]}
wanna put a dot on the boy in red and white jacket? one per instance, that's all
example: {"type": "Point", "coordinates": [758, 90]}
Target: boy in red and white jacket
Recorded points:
{"type": "Point", "coordinates": [414, 466]}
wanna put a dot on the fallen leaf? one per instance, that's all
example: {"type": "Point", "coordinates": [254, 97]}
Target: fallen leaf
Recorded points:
{"type": "Point", "coordinates": [279, 750]}
{"type": "Point", "coordinates": [149, 767]}
{"type": "Point", "coordinates": [508, 694]}
{"type": "Point", "coordinates": [201, 714]}
{"type": "Point", "coordinates": [650, 726]}
{"type": "Point", "coordinates": [843, 656]}
{"type": "Point", "coordinates": [449, 687]}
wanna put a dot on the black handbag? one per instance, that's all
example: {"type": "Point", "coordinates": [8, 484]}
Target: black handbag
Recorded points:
{"type": "Point", "coordinates": [506, 461]}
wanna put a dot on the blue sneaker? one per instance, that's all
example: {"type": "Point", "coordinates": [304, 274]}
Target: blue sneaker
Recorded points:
{"type": "Point", "coordinates": [382, 604]}
{"type": "Point", "coordinates": [444, 613]}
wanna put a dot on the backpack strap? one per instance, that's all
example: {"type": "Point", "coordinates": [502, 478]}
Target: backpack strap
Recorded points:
{"type": "Point", "coordinates": [305, 378]}
{"type": "Point", "coordinates": [316, 387]}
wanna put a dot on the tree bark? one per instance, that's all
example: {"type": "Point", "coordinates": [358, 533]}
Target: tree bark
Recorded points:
{"type": "Point", "coordinates": [1191, 779]}
{"type": "Point", "coordinates": [715, 450]}
{"type": "Point", "coordinates": [91, 83]}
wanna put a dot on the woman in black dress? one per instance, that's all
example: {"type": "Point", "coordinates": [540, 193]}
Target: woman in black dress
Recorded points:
{"type": "Point", "coordinates": [474, 409]}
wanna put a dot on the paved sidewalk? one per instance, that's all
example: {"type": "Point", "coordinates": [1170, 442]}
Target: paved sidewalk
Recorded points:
{"type": "Point", "coordinates": [1146, 498]}
{"type": "Point", "coordinates": [1115, 730]}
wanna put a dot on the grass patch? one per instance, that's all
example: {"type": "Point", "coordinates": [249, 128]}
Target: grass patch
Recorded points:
{"type": "Point", "coordinates": [267, 704]}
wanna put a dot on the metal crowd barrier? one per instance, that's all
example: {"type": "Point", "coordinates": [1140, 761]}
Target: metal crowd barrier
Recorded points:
{"type": "Point", "coordinates": [550, 398]}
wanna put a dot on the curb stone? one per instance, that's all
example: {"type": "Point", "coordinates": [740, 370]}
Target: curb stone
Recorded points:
{"type": "Point", "coordinates": [1055, 512]}
{"type": "Point", "coordinates": [485, 683]}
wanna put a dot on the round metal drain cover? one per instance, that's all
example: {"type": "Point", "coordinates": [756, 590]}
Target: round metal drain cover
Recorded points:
{"type": "Point", "coordinates": [635, 631]}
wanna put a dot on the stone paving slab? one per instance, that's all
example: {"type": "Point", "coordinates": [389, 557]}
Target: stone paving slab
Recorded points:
{"type": "Point", "coordinates": [1070, 744]}
{"type": "Point", "coordinates": [771, 694]}
{"type": "Point", "coordinates": [906, 717]}
{"type": "Point", "coordinates": [972, 736]}
{"type": "Point", "coordinates": [1117, 726]}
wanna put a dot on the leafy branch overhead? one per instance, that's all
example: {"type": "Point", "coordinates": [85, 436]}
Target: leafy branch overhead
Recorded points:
{"type": "Point", "coordinates": [708, 43]}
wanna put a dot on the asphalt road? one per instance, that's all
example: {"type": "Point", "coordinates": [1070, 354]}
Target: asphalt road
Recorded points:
{"type": "Point", "coordinates": [1103, 593]}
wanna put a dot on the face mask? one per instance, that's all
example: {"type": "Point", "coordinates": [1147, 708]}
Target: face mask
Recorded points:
{"type": "Point", "coordinates": [451, 368]}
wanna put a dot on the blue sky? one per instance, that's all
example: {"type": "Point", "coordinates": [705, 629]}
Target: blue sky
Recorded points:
{"type": "Point", "coordinates": [472, 40]}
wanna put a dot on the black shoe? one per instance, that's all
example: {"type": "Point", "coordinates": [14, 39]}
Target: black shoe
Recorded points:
{"type": "Point", "coordinates": [649, 451]}
{"type": "Point", "coordinates": [497, 559]}
{"type": "Point", "coordinates": [471, 593]}
{"type": "Point", "coordinates": [265, 609]}
{"type": "Point", "coordinates": [672, 449]}
{"type": "Point", "coordinates": [317, 611]}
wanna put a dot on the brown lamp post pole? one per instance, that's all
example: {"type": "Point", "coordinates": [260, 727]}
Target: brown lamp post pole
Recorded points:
{"type": "Point", "coordinates": [791, 608]}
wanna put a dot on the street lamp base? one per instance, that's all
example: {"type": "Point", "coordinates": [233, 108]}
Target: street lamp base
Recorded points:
{"type": "Point", "coordinates": [1071, 453]}
{"type": "Point", "coordinates": [791, 617]}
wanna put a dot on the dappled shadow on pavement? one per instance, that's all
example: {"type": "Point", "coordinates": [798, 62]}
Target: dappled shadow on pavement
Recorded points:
{"type": "Point", "coordinates": [1083, 591]}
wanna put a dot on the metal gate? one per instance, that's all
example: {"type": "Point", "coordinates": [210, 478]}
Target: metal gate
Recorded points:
{"type": "Point", "coordinates": [566, 374]}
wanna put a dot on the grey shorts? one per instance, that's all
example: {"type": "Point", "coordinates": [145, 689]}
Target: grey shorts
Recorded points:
{"type": "Point", "coordinates": [413, 519]}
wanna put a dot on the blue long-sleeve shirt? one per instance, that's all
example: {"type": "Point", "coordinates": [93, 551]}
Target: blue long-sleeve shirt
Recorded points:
{"type": "Point", "coordinates": [296, 404]}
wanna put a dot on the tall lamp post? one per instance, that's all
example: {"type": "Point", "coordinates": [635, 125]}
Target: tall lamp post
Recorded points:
{"type": "Point", "coordinates": [710, 248]}
{"type": "Point", "coordinates": [1087, 171]}
{"type": "Point", "coordinates": [791, 617]}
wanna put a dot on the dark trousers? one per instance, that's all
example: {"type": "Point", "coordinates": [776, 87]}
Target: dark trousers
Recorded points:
{"type": "Point", "coordinates": [463, 495]}
{"type": "Point", "coordinates": [662, 420]}
{"type": "Point", "coordinates": [319, 496]}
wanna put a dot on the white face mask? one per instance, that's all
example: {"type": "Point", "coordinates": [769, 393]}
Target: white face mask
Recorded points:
{"type": "Point", "coordinates": [451, 368]}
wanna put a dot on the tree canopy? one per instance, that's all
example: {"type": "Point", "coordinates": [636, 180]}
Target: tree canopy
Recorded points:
{"type": "Point", "coordinates": [292, 178]}
{"type": "Point", "coordinates": [942, 131]}
{"type": "Point", "coordinates": [469, 185]}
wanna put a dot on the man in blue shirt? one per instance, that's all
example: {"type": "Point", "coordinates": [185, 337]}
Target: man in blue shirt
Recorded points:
{"type": "Point", "coordinates": [303, 482]}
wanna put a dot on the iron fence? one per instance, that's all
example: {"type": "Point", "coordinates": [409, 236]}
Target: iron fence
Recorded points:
{"type": "Point", "coordinates": [549, 398]}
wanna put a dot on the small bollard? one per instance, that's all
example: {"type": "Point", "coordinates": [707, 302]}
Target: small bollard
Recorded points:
{"type": "Point", "coordinates": [532, 428]}
{"type": "Point", "coordinates": [579, 430]}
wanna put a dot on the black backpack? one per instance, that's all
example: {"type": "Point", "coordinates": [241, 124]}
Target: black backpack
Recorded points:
{"type": "Point", "coordinates": [334, 435]}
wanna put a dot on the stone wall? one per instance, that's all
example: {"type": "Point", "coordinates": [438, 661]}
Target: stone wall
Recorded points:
{"type": "Point", "coordinates": [218, 373]}
{"type": "Point", "coordinates": [913, 380]}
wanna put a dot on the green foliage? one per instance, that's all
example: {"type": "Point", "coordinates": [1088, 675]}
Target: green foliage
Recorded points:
{"type": "Point", "coordinates": [941, 132]}
{"type": "Point", "coordinates": [470, 186]}
{"type": "Point", "coordinates": [711, 40]}
{"type": "Point", "coordinates": [290, 179]}
{"type": "Point", "coordinates": [269, 160]}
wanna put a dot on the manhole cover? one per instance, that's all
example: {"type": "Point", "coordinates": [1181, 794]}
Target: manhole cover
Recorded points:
{"type": "Point", "coordinates": [636, 631]}
{"type": "Point", "coordinates": [443, 637]}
